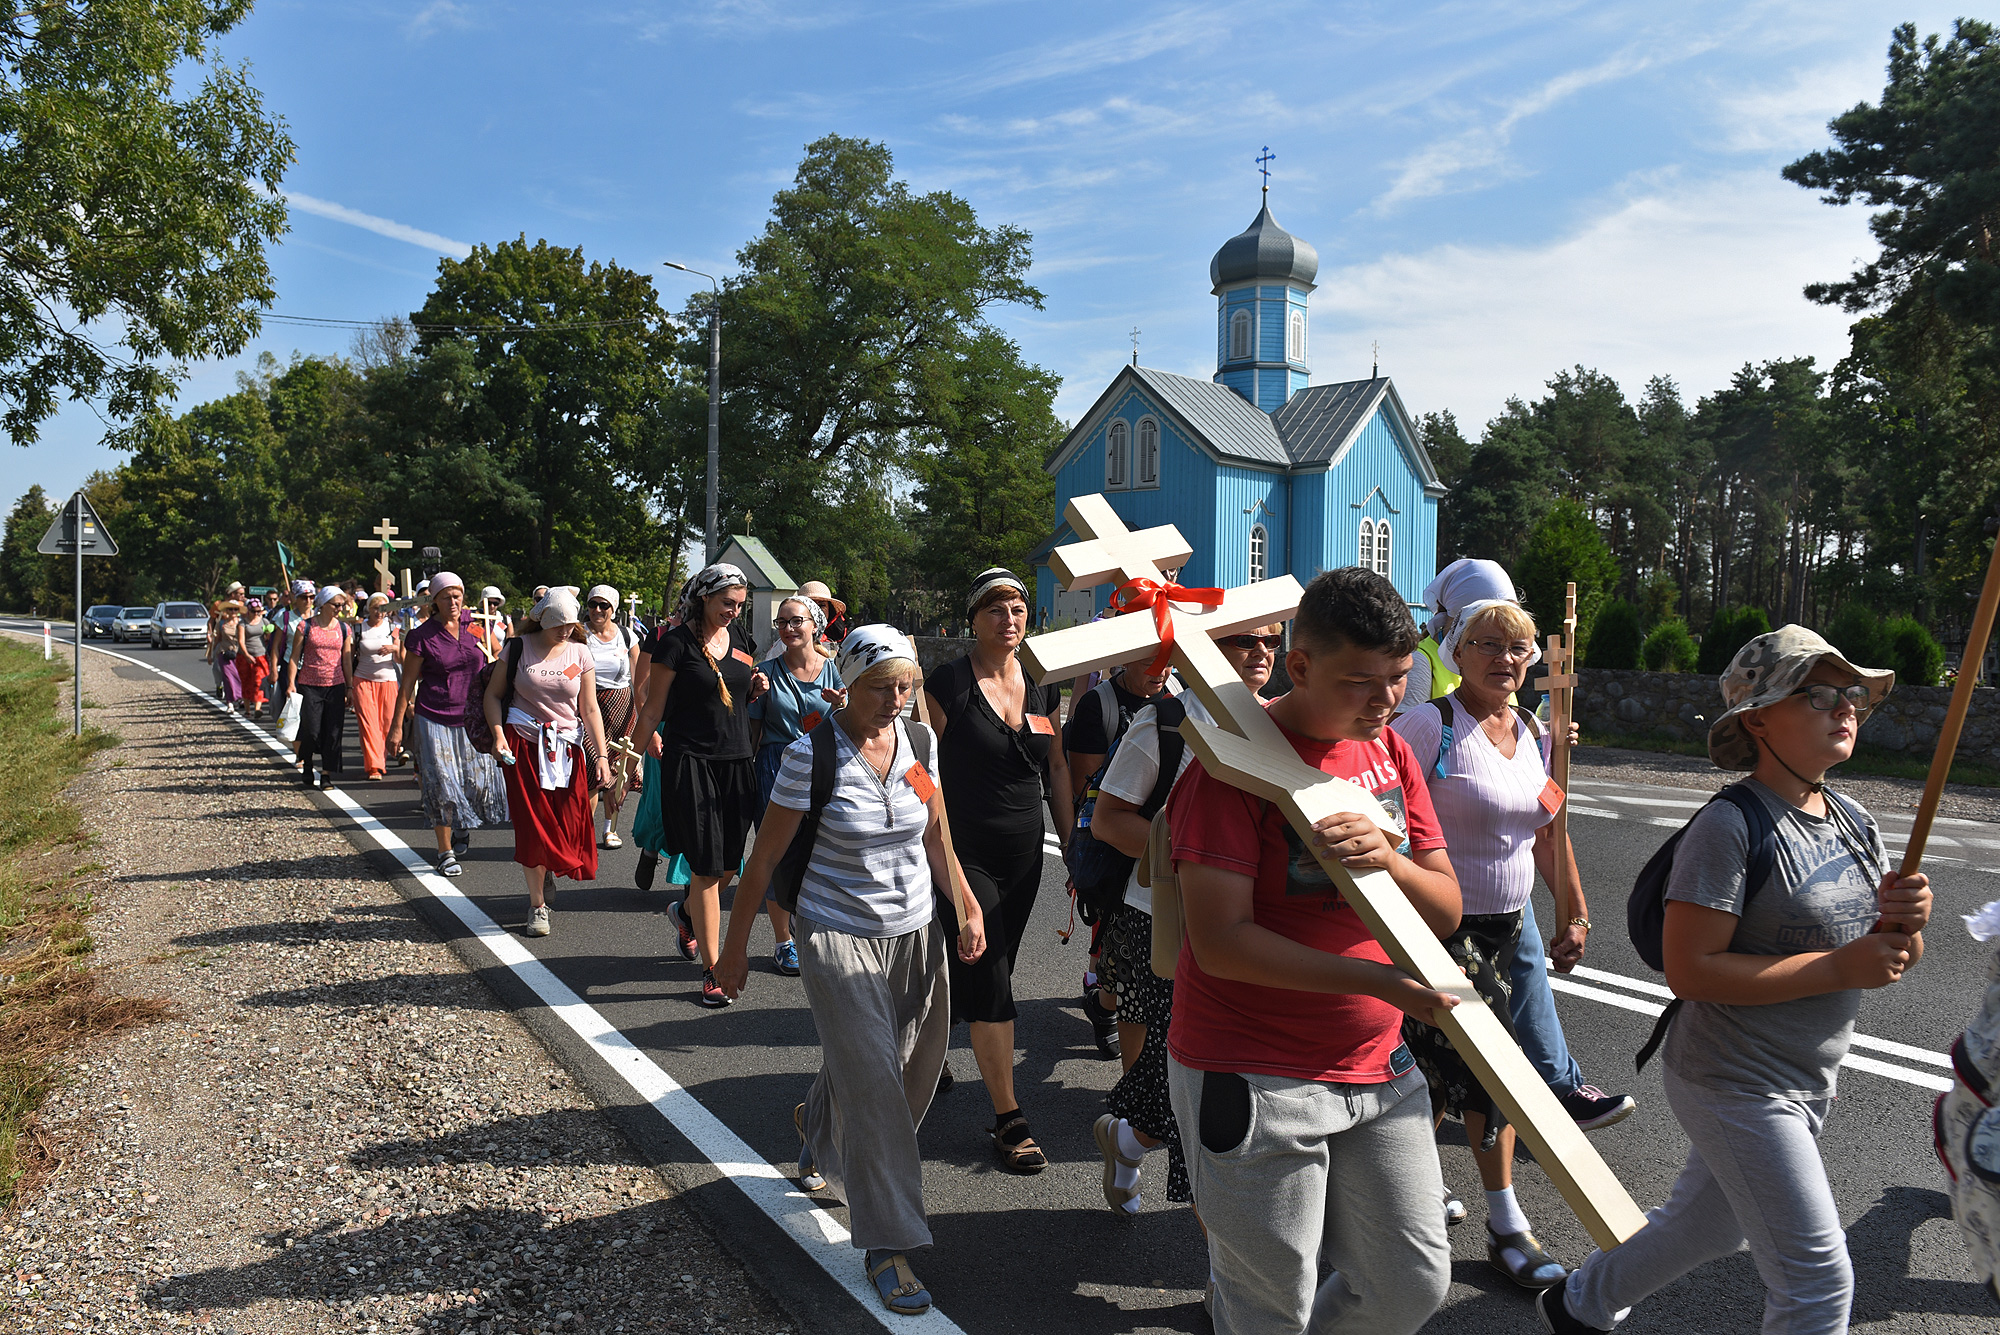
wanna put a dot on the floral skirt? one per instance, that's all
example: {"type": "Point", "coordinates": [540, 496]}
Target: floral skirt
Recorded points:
{"type": "Point", "coordinates": [1140, 1096]}
{"type": "Point", "coordinates": [458, 786]}
{"type": "Point", "coordinates": [1483, 945]}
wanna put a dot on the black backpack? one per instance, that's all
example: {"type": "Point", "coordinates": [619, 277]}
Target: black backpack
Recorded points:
{"type": "Point", "coordinates": [1100, 872]}
{"type": "Point", "coordinates": [790, 873]}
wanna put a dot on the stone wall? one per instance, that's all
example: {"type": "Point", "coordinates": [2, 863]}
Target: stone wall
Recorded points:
{"type": "Point", "coordinates": [1681, 705]}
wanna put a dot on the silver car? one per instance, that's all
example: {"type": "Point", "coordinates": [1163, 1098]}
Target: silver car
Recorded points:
{"type": "Point", "coordinates": [134, 623]}
{"type": "Point", "coordinates": [178, 623]}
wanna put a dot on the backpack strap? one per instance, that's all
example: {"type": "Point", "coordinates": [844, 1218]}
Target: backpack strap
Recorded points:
{"type": "Point", "coordinates": [1168, 714]}
{"type": "Point", "coordinates": [1763, 830]}
{"type": "Point", "coordinates": [1442, 705]}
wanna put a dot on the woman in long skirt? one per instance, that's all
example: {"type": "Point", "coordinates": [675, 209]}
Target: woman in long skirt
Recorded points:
{"type": "Point", "coordinates": [378, 648]}
{"type": "Point", "coordinates": [540, 746]}
{"type": "Point", "coordinates": [460, 788]}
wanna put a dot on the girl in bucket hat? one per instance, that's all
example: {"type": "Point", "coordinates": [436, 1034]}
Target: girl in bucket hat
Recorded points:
{"type": "Point", "coordinates": [1771, 977]}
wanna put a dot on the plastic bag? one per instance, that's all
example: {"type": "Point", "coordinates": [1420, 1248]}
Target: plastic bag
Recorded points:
{"type": "Point", "coordinates": [1966, 1126]}
{"type": "Point", "coordinates": [288, 725]}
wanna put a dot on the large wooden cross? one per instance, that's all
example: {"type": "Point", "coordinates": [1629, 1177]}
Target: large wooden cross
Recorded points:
{"type": "Point", "coordinates": [1560, 683]}
{"type": "Point", "coordinates": [1249, 751]}
{"type": "Point", "coordinates": [385, 540]}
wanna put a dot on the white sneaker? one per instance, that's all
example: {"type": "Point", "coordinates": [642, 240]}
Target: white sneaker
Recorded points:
{"type": "Point", "coordinates": [538, 922]}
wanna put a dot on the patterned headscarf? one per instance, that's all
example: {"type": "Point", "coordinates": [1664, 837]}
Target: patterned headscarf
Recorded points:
{"type": "Point", "coordinates": [992, 578]}
{"type": "Point", "coordinates": [713, 580]}
{"type": "Point", "coordinates": [813, 609]}
{"type": "Point", "coordinates": [865, 646]}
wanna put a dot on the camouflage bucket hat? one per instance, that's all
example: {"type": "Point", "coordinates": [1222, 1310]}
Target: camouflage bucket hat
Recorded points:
{"type": "Point", "coordinates": [1767, 670]}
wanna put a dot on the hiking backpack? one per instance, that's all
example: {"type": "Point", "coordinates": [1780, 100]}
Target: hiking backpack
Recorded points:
{"type": "Point", "coordinates": [477, 731]}
{"type": "Point", "coordinates": [790, 874]}
{"type": "Point", "coordinates": [1100, 872]}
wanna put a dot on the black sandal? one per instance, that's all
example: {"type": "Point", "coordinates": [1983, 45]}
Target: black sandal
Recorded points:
{"type": "Point", "coordinates": [1016, 1148]}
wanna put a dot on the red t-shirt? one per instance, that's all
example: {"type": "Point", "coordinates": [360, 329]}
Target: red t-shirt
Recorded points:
{"type": "Point", "coordinates": [1223, 1025]}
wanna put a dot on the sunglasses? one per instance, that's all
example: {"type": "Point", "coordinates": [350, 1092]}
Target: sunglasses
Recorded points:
{"type": "Point", "coordinates": [599, 605]}
{"type": "Point", "coordinates": [1248, 642]}
{"type": "Point", "coordinates": [1823, 697]}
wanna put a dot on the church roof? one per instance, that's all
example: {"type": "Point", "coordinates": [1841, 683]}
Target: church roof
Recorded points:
{"type": "Point", "coordinates": [1264, 250]}
{"type": "Point", "coordinates": [1232, 425]}
{"type": "Point", "coordinates": [1319, 419]}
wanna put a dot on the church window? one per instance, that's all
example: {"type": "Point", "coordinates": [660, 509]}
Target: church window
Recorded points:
{"type": "Point", "coordinates": [1239, 336]}
{"type": "Point", "coordinates": [1149, 452]}
{"type": "Point", "coordinates": [1296, 342]}
{"type": "Point", "coordinates": [1382, 548]}
{"type": "Point", "coordinates": [1367, 553]}
{"type": "Point", "coordinates": [1115, 451]}
{"type": "Point", "coordinates": [1260, 554]}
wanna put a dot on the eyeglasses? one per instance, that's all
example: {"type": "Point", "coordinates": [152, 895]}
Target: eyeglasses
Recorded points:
{"type": "Point", "coordinates": [1249, 642]}
{"type": "Point", "coordinates": [1822, 696]}
{"type": "Point", "coordinates": [790, 623]}
{"type": "Point", "coordinates": [1495, 649]}
{"type": "Point", "coordinates": [599, 605]}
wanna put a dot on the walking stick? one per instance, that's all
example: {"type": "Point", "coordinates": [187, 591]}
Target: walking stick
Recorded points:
{"type": "Point", "coordinates": [1954, 718]}
{"type": "Point", "coordinates": [944, 821]}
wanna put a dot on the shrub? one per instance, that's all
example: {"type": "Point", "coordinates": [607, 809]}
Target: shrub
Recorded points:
{"type": "Point", "coordinates": [1615, 639]}
{"type": "Point", "coordinates": [1916, 656]}
{"type": "Point", "coordinates": [1857, 632]}
{"type": "Point", "coordinates": [1670, 648]}
{"type": "Point", "coordinates": [1732, 628]}
{"type": "Point", "coordinates": [1565, 547]}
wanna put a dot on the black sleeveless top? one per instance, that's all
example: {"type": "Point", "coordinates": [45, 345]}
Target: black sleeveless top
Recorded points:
{"type": "Point", "coordinates": [995, 777]}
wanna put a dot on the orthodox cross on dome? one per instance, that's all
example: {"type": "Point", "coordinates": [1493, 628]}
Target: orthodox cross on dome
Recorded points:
{"type": "Point", "coordinates": [1264, 161]}
{"type": "Point", "coordinates": [1248, 751]}
{"type": "Point", "coordinates": [1135, 345]}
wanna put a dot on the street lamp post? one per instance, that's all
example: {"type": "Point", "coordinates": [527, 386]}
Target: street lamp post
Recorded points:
{"type": "Point", "coordinates": [714, 404]}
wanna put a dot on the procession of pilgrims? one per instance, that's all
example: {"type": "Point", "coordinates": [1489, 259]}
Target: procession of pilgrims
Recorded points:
{"type": "Point", "coordinates": [1277, 1071]}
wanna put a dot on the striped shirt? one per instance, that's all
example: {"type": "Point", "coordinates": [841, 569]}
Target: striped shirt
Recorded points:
{"type": "Point", "coordinates": [868, 875]}
{"type": "Point", "coordinates": [1489, 805]}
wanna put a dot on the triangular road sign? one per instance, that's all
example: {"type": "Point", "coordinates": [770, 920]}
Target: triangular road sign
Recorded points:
{"type": "Point", "coordinates": [60, 540]}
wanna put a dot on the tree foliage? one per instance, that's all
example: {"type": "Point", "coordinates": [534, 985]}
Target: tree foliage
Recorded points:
{"type": "Point", "coordinates": [1669, 648]}
{"type": "Point", "coordinates": [1616, 639]}
{"type": "Point", "coordinates": [1565, 547]}
{"type": "Point", "coordinates": [127, 208]}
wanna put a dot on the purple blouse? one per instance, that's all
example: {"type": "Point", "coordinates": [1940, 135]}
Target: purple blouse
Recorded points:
{"type": "Point", "coordinates": [449, 669]}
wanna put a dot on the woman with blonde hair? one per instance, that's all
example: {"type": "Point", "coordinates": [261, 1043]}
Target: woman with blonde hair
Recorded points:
{"type": "Point", "coordinates": [225, 650]}
{"type": "Point", "coordinates": [701, 687]}
{"type": "Point", "coordinates": [378, 656]}
{"type": "Point", "coordinates": [871, 883]}
{"type": "Point", "coordinates": [538, 737]}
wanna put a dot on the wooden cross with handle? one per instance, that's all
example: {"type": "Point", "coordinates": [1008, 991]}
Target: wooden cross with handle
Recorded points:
{"type": "Point", "coordinates": [1560, 683]}
{"type": "Point", "coordinates": [1250, 752]}
{"type": "Point", "coordinates": [384, 542]}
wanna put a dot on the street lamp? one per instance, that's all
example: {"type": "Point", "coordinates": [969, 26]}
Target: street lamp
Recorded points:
{"type": "Point", "coordinates": [714, 402]}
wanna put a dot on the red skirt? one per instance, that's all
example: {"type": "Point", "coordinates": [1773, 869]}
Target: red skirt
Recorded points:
{"type": "Point", "coordinates": [551, 829]}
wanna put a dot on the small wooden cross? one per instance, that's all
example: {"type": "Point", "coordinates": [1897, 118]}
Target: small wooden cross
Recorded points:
{"type": "Point", "coordinates": [385, 535]}
{"type": "Point", "coordinates": [1560, 683]}
{"type": "Point", "coordinates": [1250, 752]}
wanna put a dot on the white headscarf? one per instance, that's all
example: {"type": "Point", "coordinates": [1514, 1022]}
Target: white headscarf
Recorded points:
{"type": "Point", "coordinates": [1461, 591]}
{"type": "Point", "coordinates": [557, 607]}
{"type": "Point", "coordinates": [604, 591]}
{"type": "Point", "coordinates": [865, 646]}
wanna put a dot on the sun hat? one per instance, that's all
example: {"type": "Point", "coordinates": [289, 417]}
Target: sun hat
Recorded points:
{"type": "Point", "coordinates": [865, 646]}
{"type": "Point", "coordinates": [818, 592]}
{"type": "Point", "coordinates": [1767, 670]}
{"type": "Point", "coordinates": [489, 593]}
{"type": "Point", "coordinates": [557, 607]}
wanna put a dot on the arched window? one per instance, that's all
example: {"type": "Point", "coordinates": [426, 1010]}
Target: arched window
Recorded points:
{"type": "Point", "coordinates": [1149, 452]}
{"type": "Point", "coordinates": [1115, 448]}
{"type": "Point", "coordinates": [1382, 548]}
{"type": "Point", "coordinates": [1367, 553]}
{"type": "Point", "coordinates": [1295, 346]}
{"type": "Point", "coordinates": [1239, 337]}
{"type": "Point", "coordinates": [1260, 554]}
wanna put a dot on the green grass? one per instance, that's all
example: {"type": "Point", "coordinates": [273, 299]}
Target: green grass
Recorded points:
{"type": "Point", "coordinates": [1867, 759]}
{"type": "Point", "coordinates": [48, 999]}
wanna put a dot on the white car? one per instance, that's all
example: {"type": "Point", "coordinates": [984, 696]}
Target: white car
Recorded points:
{"type": "Point", "coordinates": [134, 623]}
{"type": "Point", "coordinates": [178, 623]}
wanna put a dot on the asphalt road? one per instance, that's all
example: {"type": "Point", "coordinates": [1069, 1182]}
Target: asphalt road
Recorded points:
{"type": "Point", "coordinates": [1044, 1253]}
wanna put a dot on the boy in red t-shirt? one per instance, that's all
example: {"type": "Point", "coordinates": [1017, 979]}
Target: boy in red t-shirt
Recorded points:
{"type": "Point", "coordinates": [1286, 1048]}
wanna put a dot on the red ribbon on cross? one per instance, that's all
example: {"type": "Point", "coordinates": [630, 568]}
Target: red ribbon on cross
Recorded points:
{"type": "Point", "coordinates": [1161, 596]}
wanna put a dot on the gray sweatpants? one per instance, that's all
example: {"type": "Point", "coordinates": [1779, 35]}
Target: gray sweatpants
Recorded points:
{"type": "Point", "coordinates": [1753, 1173]}
{"type": "Point", "coordinates": [1285, 1169]}
{"type": "Point", "coordinates": [883, 1009]}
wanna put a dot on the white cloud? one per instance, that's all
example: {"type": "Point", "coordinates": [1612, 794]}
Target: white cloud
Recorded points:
{"type": "Point", "coordinates": [395, 231]}
{"type": "Point", "coordinates": [1103, 50]}
{"type": "Point", "coordinates": [438, 15]}
{"type": "Point", "coordinates": [1688, 279]}
{"type": "Point", "coordinates": [1792, 115]}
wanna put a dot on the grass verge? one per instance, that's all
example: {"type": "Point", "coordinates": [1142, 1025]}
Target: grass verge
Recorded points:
{"type": "Point", "coordinates": [1867, 759]}
{"type": "Point", "coordinates": [50, 1000]}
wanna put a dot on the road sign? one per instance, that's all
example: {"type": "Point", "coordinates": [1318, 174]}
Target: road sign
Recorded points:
{"type": "Point", "coordinates": [60, 540]}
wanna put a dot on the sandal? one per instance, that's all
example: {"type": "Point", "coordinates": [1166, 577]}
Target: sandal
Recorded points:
{"type": "Point", "coordinates": [902, 1292]}
{"type": "Point", "coordinates": [1122, 1199]}
{"type": "Point", "coordinates": [1520, 1258]}
{"type": "Point", "coordinates": [1016, 1148]}
{"type": "Point", "coordinates": [809, 1176]}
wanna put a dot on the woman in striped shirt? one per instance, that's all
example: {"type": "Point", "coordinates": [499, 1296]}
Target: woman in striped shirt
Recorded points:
{"type": "Point", "coordinates": [871, 950]}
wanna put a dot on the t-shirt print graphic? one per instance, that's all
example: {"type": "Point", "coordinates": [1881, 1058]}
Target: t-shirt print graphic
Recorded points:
{"type": "Point", "coordinates": [1830, 908]}
{"type": "Point", "coordinates": [1304, 875]}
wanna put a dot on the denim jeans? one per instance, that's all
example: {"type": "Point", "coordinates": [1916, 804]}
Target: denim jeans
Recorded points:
{"type": "Point", "coordinates": [1533, 1009]}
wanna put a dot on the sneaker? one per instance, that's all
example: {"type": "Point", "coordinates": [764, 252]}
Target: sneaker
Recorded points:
{"type": "Point", "coordinates": [712, 996]}
{"type": "Point", "coordinates": [611, 839]}
{"type": "Point", "coordinates": [809, 1176]}
{"type": "Point", "coordinates": [448, 865]}
{"type": "Point", "coordinates": [1454, 1211]}
{"type": "Point", "coordinates": [677, 913]}
{"type": "Point", "coordinates": [648, 863]}
{"type": "Point", "coordinates": [786, 959]}
{"type": "Point", "coordinates": [1103, 1025]}
{"type": "Point", "coordinates": [538, 922]}
{"type": "Point", "coordinates": [1552, 1306]}
{"type": "Point", "coordinates": [1593, 1109]}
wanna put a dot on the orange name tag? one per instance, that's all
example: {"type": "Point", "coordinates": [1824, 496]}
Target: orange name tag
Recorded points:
{"type": "Point", "coordinates": [1552, 797]}
{"type": "Point", "coordinates": [920, 783]}
{"type": "Point", "coordinates": [809, 722]}
{"type": "Point", "coordinates": [573, 671]}
{"type": "Point", "coordinates": [742, 658]}
{"type": "Point", "coordinates": [1040, 723]}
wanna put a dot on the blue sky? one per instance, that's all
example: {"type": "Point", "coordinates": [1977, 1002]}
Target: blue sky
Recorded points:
{"type": "Point", "coordinates": [1497, 190]}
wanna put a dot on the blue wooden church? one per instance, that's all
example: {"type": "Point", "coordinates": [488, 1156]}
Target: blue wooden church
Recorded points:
{"type": "Point", "coordinates": [1263, 473]}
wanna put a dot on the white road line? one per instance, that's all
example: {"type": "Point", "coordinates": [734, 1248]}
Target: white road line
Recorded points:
{"type": "Point", "coordinates": [817, 1233]}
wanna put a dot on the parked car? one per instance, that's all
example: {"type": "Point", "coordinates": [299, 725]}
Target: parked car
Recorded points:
{"type": "Point", "coordinates": [136, 623]}
{"type": "Point", "coordinates": [178, 623]}
{"type": "Point", "coordinates": [97, 621]}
